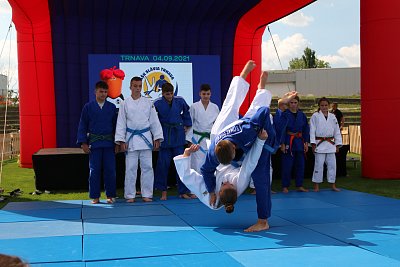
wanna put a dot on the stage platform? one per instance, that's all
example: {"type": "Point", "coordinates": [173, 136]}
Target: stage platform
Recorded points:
{"type": "Point", "coordinates": [307, 229]}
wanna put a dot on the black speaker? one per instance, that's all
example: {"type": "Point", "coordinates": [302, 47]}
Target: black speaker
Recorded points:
{"type": "Point", "coordinates": [68, 169]}
{"type": "Point", "coordinates": [61, 169]}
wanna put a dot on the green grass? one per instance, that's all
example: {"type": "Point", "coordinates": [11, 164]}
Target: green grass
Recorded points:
{"type": "Point", "coordinates": [15, 177]}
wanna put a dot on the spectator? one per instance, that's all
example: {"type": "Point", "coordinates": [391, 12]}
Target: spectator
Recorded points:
{"type": "Point", "coordinates": [338, 114]}
{"type": "Point", "coordinates": [11, 261]}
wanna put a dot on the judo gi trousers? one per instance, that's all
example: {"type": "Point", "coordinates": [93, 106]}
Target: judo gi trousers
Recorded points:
{"type": "Point", "coordinates": [146, 176]}
{"type": "Point", "coordinates": [163, 163]}
{"type": "Point", "coordinates": [295, 160]}
{"type": "Point", "coordinates": [102, 159]}
{"type": "Point", "coordinates": [261, 178]}
{"type": "Point", "coordinates": [330, 160]}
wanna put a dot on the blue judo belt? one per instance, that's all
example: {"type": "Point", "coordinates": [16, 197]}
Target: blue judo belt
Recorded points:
{"type": "Point", "coordinates": [140, 133]}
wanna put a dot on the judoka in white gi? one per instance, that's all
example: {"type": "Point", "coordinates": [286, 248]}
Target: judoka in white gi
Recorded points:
{"type": "Point", "coordinates": [326, 139]}
{"type": "Point", "coordinates": [138, 132]}
{"type": "Point", "coordinates": [203, 114]}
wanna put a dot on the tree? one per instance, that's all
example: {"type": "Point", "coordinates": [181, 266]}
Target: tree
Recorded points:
{"type": "Point", "coordinates": [308, 61]}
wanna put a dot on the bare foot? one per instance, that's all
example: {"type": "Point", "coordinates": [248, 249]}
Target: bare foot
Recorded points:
{"type": "Point", "coordinates": [250, 65]}
{"type": "Point", "coordinates": [163, 195]}
{"type": "Point", "coordinates": [110, 200]}
{"type": "Point", "coordinates": [316, 187]}
{"type": "Point", "coordinates": [263, 80]}
{"type": "Point", "coordinates": [273, 192]}
{"type": "Point", "coordinates": [302, 189]}
{"type": "Point", "coordinates": [130, 200]}
{"type": "Point", "coordinates": [285, 190]}
{"type": "Point", "coordinates": [185, 196]}
{"type": "Point", "coordinates": [259, 226]}
{"type": "Point", "coordinates": [193, 196]}
{"type": "Point", "coordinates": [147, 199]}
{"type": "Point", "coordinates": [334, 188]}
{"type": "Point", "coordinates": [95, 201]}
{"type": "Point", "coordinates": [253, 191]}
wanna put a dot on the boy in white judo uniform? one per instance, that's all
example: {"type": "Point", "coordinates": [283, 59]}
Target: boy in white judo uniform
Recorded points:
{"type": "Point", "coordinates": [326, 139]}
{"type": "Point", "coordinates": [203, 114]}
{"type": "Point", "coordinates": [138, 132]}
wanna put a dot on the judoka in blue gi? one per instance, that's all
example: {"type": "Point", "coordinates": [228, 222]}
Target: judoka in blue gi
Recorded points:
{"type": "Point", "coordinates": [294, 144]}
{"type": "Point", "coordinates": [173, 112]}
{"type": "Point", "coordinates": [96, 137]}
{"type": "Point", "coordinates": [238, 137]}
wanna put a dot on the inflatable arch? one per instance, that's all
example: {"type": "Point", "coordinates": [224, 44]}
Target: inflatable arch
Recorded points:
{"type": "Point", "coordinates": [55, 37]}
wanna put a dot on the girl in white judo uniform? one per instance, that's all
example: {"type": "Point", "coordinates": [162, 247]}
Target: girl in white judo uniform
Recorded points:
{"type": "Point", "coordinates": [326, 139]}
{"type": "Point", "coordinates": [203, 114]}
{"type": "Point", "coordinates": [138, 132]}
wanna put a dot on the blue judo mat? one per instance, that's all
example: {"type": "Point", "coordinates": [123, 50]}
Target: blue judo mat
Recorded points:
{"type": "Point", "coordinates": [307, 229]}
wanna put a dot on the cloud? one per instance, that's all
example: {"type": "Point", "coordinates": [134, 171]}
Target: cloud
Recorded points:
{"type": "Point", "coordinates": [288, 48]}
{"type": "Point", "coordinates": [5, 8]}
{"type": "Point", "coordinates": [297, 19]}
{"type": "Point", "coordinates": [347, 56]}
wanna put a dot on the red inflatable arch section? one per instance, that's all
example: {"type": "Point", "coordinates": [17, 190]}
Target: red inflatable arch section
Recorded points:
{"type": "Point", "coordinates": [380, 105]}
{"type": "Point", "coordinates": [36, 79]}
{"type": "Point", "coordinates": [248, 39]}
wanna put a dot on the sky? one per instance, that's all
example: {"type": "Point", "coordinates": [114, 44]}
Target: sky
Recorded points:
{"type": "Point", "coordinates": [330, 27]}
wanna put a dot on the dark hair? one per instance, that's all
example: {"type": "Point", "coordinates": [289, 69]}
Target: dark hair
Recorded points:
{"type": "Point", "coordinates": [205, 87]}
{"type": "Point", "coordinates": [167, 87]}
{"type": "Point", "coordinates": [12, 261]}
{"type": "Point", "coordinates": [228, 199]}
{"type": "Point", "coordinates": [323, 99]}
{"type": "Point", "coordinates": [224, 151]}
{"type": "Point", "coordinates": [297, 98]}
{"type": "Point", "coordinates": [136, 79]}
{"type": "Point", "coordinates": [101, 85]}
